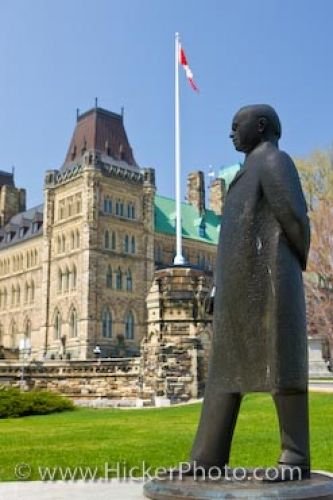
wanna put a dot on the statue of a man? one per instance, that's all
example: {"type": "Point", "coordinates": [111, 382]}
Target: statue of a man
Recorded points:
{"type": "Point", "coordinates": [259, 341]}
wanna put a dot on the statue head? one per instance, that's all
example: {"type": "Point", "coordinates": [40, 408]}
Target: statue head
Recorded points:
{"type": "Point", "coordinates": [255, 124]}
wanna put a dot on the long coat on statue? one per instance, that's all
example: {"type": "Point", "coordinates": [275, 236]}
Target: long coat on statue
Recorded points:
{"type": "Point", "coordinates": [259, 341]}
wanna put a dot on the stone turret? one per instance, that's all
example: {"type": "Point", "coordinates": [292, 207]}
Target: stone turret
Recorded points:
{"type": "Point", "coordinates": [12, 199]}
{"type": "Point", "coordinates": [217, 195]}
{"type": "Point", "coordinates": [175, 348]}
{"type": "Point", "coordinates": [196, 190]}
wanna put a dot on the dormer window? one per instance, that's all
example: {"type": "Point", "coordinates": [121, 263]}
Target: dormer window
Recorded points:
{"type": "Point", "coordinates": [22, 231]}
{"type": "Point", "coordinates": [35, 226]}
{"type": "Point", "coordinates": [202, 231]}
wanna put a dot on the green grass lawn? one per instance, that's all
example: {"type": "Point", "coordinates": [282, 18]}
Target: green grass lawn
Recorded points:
{"type": "Point", "coordinates": [160, 437]}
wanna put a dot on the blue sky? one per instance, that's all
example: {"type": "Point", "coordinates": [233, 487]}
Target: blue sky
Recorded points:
{"type": "Point", "coordinates": [57, 55]}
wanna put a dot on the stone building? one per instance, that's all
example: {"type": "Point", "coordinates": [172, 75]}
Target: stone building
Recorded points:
{"type": "Point", "coordinates": [75, 271]}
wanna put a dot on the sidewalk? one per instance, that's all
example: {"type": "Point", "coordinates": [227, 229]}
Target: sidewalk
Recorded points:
{"type": "Point", "coordinates": [72, 490]}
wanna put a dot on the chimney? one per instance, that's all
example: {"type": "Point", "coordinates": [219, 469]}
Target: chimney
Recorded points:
{"type": "Point", "coordinates": [217, 195]}
{"type": "Point", "coordinates": [196, 190]}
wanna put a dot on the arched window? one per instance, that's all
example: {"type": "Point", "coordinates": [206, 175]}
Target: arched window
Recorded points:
{"type": "Point", "coordinates": [73, 323]}
{"type": "Point", "coordinates": [67, 279]}
{"type": "Point", "coordinates": [126, 243]}
{"type": "Point", "coordinates": [119, 279]}
{"type": "Point", "coordinates": [63, 281]}
{"type": "Point", "coordinates": [106, 239]}
{"type": "Point", "coordinates": [109, 277]}
{"type": "Point", "coordinates": [113, 240]}
{"type": "Point", "coordinates": [13, 334]}
{"type": "Point", "coordinates": [109, 206]}
{"type": "Point", "coordinates": [63, 248]}
{"type": "Point", "coordinates": [105, 208]}
{"type": "Point", "coordinates": [133, 212]}
{"type": "Point", "coordinates": [57, 325]}
{"type": "Point", "coordinates": [27, 329]}
{"type": "Point", "coordinates": [78, 204]}
{"type": "Point", "coordinates": [58, 244]}
{"type": "Point", "coordinates": [129, 282]}
{"type": "Point", "coordinates": [18, 295]}
{"type": "Point", "coordinates": [106, 323]}
{"type": "Point", "coordinates": [129, 210]}
{"type": "Point", "coordinates": [59, 281]}
{"type": "Point", "coordinates": [133, 249]}
{"type": "Point", "coordinates": [129, 326]}
{"type": "Point", "coordinates": [77, 238]}
{"type": "Point", "coordinates": [72, 240]}
{"type": "Point", "coordinates": [74, 277]}
{"type": "Point", "coordinates": [13, 302]}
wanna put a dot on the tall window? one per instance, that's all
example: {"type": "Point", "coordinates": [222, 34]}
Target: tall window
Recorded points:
{"type": "Point", "coordinates": [27, 329]}
{"type": "Point", "coordinates": [106, 323]}
{"type": "Point", "coordinates": [74, 277]}
{"type": "Point", "coordinates": [129, 326]}
{"type": "Point", "coordinates": [77, 238]}
{"type": "Point", "coordinates": [13, 334]}
{"type": "Point", "coordinates": [57, 325]}
{"type": "Point", "coordinates": [119, 279]}
{"type": "Point", "coordinates": [63, 243]}
{"type": "Point", "coordinates": [106, 239]}
{"type": "Point", "coordinates": [113, 240]}
{"type": "Point", "coordinates": [126, 243]}
{"type": "Point", "coordinates": [73, 323]}
{"type": "Point", "coordinates": [109, 277]}
{"type": "Point", "coordinates": [133, 246]}
{"type": "Point", "coordinates": [129, 282]}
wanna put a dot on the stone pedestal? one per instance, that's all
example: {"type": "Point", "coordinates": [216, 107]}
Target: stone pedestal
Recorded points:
{"type": "Point", "coordinates": [319, 486]}
{"type": "Point", "coordinates": [317, 365]}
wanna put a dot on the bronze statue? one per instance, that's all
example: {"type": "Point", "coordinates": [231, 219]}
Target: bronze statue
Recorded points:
{"type": "Point", "coordinates": [259, 341]}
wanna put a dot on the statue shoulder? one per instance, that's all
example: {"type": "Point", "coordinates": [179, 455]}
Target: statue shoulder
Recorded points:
{"type": "Point", "coordinates": [277, 158]}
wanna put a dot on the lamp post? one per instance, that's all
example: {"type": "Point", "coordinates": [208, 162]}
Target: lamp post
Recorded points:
{"type": "Point", "coordinates": [24, 350]}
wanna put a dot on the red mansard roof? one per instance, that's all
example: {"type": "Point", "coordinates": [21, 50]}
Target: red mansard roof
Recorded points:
{"type": "Point", "coordinates": [101, 130]}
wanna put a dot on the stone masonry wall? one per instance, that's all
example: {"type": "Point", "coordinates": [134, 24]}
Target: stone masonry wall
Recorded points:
{"type": "Point", "coordinates": [117, 379]}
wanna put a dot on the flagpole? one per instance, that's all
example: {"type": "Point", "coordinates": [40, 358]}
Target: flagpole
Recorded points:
{"type": "Point", "coordinates": [179, 259]}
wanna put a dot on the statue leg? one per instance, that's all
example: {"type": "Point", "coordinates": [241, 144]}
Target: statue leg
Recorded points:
{"type": "Point", "coordinates": [293, 414]}
{"type": "Point", "coordinates": [217, 423]}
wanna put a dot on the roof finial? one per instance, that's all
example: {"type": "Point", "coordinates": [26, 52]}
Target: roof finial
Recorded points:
{"type": "Point", "coordinates": [96, 102]}
{"type": "Point", "coordinates": [122, 112]}
{"type": "Point", "coordinates": [77, 114]}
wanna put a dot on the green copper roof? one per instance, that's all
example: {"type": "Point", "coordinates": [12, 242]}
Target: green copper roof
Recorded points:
{"type": "Point", "coordinates": [228, 173]}
{"type": "Point", "coordinates": [203, 228]}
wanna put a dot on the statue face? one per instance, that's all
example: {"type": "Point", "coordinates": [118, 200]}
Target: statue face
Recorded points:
{"type": "Point", "coordinates": [245, 131]}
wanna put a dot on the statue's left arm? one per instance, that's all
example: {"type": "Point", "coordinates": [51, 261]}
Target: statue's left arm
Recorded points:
{"type": "Point", "coordinates": [282, 188]}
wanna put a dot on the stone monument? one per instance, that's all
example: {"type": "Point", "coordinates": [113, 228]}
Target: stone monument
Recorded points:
{"type": "Point", "coordinates": [259, 325]}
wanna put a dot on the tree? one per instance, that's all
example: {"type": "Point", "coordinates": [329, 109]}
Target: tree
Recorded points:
{"type": "Point", "coordinates": [316, 173]}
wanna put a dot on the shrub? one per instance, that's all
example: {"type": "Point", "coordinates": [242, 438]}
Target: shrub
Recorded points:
{"type": "Point", "coordinates": [14, 403]}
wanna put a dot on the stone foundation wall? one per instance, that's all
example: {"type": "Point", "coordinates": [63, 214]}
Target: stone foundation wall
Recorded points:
{"type": "Point", "coordinates": [116, 379]}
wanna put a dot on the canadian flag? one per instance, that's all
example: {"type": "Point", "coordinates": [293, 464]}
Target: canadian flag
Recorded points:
{"type": "Point", "coordinates": [188, 71]}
